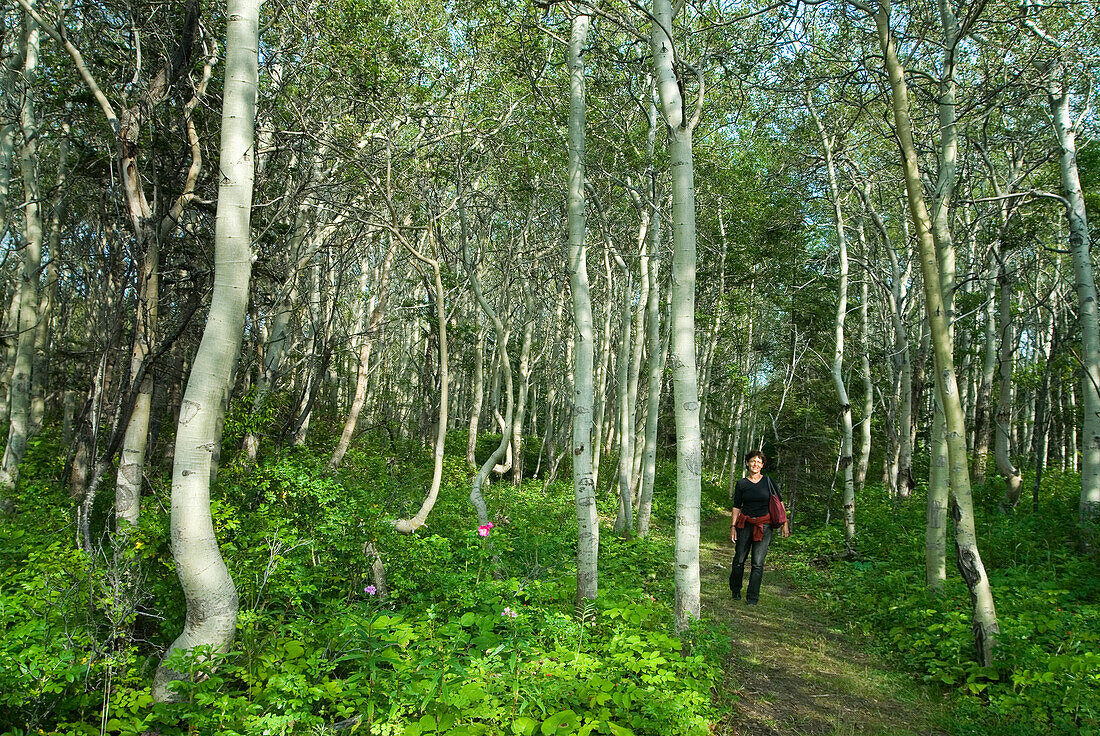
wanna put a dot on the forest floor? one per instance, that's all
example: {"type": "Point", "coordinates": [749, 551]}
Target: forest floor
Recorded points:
{"type": "Point", "coordinates": [792, 672]}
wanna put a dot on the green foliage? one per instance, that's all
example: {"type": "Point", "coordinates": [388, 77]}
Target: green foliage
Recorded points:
{"type": "Point", "coordinates": [1046, 678]}
{"type": "Point", "coordinates": [476, 635]}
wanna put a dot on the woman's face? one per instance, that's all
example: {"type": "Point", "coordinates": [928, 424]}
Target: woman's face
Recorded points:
{"type": "Point", "coordinates": [756, 464]}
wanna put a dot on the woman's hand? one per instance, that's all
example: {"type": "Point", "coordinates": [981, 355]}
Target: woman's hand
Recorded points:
{"type": "Point", "coordinates": [733, 524]}
{"type": "Point", "coordinates": [786, 530]}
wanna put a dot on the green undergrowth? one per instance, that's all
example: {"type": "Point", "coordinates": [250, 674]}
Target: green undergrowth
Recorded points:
{"type": "Point", "coordinates": [475, 635]}
{"type": "Point", "coordinates": [1046, 677]}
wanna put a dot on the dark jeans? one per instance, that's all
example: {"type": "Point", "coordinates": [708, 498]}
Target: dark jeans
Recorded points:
{"type": "Point", "coordinates": [745, 544]}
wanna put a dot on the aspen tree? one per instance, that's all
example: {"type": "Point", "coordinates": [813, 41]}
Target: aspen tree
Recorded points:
{"type": "Point", "coordinates": [967, 557]}
{"type": "Point", "coordinates": [655, 366]}
{"type": "Point", "coordinates": [865, 373]}
{"type": "Point", "coordinates": [584, 479]}
{"type": "Point", "coordinates": [681, 124]}
{"type": "Point", "coordinates": [828, 143]}
{"type": "Point", "coordinates": [935, 535]}
{"type": "Point", "coordinates": [408, 526]}
{"type": "Point", "coordinates": [207, 586]}
{"type": "Point", "coordinates": [20, 402]}
{"type": "Point", "coordinates": [1088, 316]}
{"type": "Point", "coordinates": [377, 310]}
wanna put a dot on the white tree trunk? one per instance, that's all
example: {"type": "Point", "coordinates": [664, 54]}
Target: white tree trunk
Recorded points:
{"type": "Point", "coordinates": [1002, 449]}
{"type": "Point", "coordinates": [584, 479]}
{"type": "Point", "coordinates": [968, 559]}
{"type": "Point", "coordinates": [865, 375]}
{"type": "Point", "coordinates": [845, 404]}
{"type": "Point", "coordinates": [478, 392]}
{"type": "Point", "coordinates": [655, 366]}
{"type": "Point", "coordinates": [20, 402]}
{"type": "Point", "coordinates": [689, 459]}
{"type": "Point", "coordinates": [624, 519]}
{"type": "Point", "coordinates": [207, 586]}
{"type": "Point", "coordinates": [983, 409]}
{"type": "Point", "coordinates": [408, 526]}
{"type": "Point", "coordinates": [377, 309]}
{"type": "Point", "coordinates": [1087, 317]}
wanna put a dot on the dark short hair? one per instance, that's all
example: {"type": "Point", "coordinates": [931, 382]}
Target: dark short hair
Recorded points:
{"type": "Point", "coordinates": [755, 453]}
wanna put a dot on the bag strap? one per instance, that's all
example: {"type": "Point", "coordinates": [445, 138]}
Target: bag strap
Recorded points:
{"type": "Point", "coordinates": [771, 486]}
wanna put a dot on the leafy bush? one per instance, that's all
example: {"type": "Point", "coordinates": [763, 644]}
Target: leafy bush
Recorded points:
{"type": "Point", "coordinates": [1047, 675]}
{"type": "Point", "coordinates": [476, 635]}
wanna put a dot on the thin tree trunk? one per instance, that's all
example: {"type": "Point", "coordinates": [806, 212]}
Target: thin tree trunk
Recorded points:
{"type": "Point", "coordinates": [940, 476]}
{"type": "Point", "coordinates": [207, 586]}
{"type": "Point", "coordinates": [584, 468]}
{"type": "Point", "coordinates": [41, 369]}
{"type": "Point", "coordinates": [655, 366]}
{"type": "Point", "coordinates": [19, 418]}
{"type": "Point", "coordinates": [844, 403]}
{"type": "Point", "coordinates": [983, 410]}
{"type": "Point", "coordinates": [1005, 367]}
{"type": "Point", "coordinates": [408, 526]}
{"type": "Point", "coordinates": [968, 559]}
{"type": "Point", "coordinates": [1088, 318]}
{"type": "Point", "coordinates": [478, 392]}
{"type": "Point", "coordinates": [684, 377]}
{"type": "Point", "coordinates": [865, 374]}
{"type": "Point", "coordinates": [377, 311]}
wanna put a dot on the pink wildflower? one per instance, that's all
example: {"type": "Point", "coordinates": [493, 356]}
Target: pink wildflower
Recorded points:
{"type": "Point", "coordinates": [508, 613]}
{"type": "Point", "coordinates": [483, 530]}
{"type": "Point", "coordinates": [370, 590]}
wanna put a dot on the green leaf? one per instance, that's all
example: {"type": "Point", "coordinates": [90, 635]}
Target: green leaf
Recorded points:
{"type": "Point", "coordinates": [524, 726]}
{"type": "Point", "coordinates": [427, 724]}
{"type": "Point", "coordinates": [561, 723]}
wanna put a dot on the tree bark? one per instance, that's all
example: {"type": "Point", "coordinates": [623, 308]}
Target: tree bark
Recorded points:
{"type": "Point", "coordinates": [1088, 318]}
{"type": "Point", "coordinates": [20, 402]}
{"type": "Point", "coordinates": [1006, 359]}
{"type": "Point", "coordinates": [983, 410]}
{"type": "Point", "coordinates": [844, 403]}
{"type": "Point", "coordinates": [584, 479]}
{"type": "Point", "coordinates": [407, 526]}
{"type": "Point", "coordinates": [684, 377]}
{"type": "Point", "coordinates": [208, 588]}
{"type": "Point", "coordinates": [377, 311]}
{"type": "Point", "coordinates": [968, 559]}
{"type": "Point", "coordinates": [655, 366]}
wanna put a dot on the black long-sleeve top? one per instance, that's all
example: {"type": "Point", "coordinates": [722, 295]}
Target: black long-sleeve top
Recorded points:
{"type": "Point", "coordinates": [752, 498]}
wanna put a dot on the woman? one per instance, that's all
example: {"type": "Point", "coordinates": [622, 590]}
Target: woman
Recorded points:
{"type": "Point", "coordinates": [751, 527]}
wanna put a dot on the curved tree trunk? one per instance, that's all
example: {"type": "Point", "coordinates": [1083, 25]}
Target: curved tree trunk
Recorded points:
{"type": "Point", "coordinates": [377, 311]}
{"type": "Point", "coordinates": [207, 586]}
{"type": "Point", "coordinates": [408, 526]}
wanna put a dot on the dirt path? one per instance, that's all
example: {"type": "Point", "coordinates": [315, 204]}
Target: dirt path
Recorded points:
{"type": "Point", "coordinates": [792, 672]}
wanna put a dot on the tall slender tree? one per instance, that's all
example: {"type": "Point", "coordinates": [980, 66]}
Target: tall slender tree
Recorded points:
{"type": "Point", "coordinates": [207, 586]}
